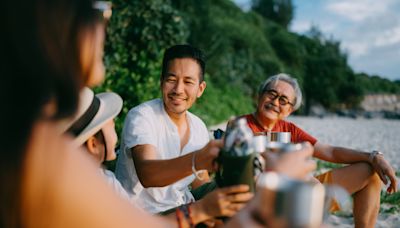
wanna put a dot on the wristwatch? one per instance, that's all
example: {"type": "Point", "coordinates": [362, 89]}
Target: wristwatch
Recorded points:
{"type": "Point", "coordinates": [373, 154]}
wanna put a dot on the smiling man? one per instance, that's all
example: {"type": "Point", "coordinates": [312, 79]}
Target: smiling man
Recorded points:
{"type": "Point", "coordinates": [279, 96]}
{"type": "Point", "coordinates": [164, 145]}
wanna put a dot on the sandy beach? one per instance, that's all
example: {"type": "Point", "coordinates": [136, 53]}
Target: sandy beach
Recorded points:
{"type": "Point", "coordinates": [362, 134]}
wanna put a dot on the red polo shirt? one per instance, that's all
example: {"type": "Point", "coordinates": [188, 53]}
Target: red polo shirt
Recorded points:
{"type": "Point", "coordinates": [297, 134]}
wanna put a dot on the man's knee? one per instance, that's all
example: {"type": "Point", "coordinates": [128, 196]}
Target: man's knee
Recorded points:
{"type": "Point", "coordinates": [355, 177]}
{"type": "Point", "coordinates": [375, 180]}
{"type": "Point", "coordinates": [370, 175]}
{"type": "Point", "coordinates": [365, 169]}
{"type": "Point", "coordinates": [369, 167]}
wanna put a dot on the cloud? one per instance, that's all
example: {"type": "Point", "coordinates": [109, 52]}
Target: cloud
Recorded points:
{"type": "Point", "coordinates": [355, 49]}
{"type": "Point", "coordinates": [379, 31]}
{"type": "Point", "coordinates": [358, 10]}
{"type": "Point", "coordinates": [369, 31]}
{"type": "Point", "coordinates": [388, 37]}
{"type": "Point", "coordinates": [383, 61]}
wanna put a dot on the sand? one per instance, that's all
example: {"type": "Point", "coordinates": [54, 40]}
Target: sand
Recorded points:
{"type": "Point", "coordinates": [362, 134]}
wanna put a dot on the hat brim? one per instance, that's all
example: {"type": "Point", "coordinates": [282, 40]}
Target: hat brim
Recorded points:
{"type": "Point", "coordinates": [110, 106]}
{"type": "Point", "coordinates": [85, 99]}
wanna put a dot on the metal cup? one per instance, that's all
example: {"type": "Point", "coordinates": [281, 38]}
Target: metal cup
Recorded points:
{"type": "Point", "coordinates": [283, 137]}
{"type": "Point", "coordinates": [290, 203]}
{"type": "Point", "coordinates": [281, 148]}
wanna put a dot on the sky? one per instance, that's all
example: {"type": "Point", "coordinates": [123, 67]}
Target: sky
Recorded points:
{"type": "Point", "coordinates": [368, 30]}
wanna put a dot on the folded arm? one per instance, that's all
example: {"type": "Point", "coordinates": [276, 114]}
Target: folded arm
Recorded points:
{"type": "Point", "coordinates": [349, 156]}
{"type": "Point", "coordinates": [339, 154]}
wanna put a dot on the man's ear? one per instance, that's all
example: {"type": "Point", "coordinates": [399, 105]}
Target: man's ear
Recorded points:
{"type": "Point", "coordinates": [202, 87]}
{"type": "Point", "coordinates": [92, 145]}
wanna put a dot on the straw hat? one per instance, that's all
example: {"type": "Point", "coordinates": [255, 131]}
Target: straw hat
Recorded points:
{"type": "Point", "coordinates": [93, 112]}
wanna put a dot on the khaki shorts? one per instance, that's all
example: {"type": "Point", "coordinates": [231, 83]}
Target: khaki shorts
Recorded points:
{"type": "Point", "coordinates": [326, 178]}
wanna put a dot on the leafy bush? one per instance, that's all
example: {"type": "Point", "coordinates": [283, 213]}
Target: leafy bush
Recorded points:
{"type": "Point", "coordinates": [219, 103]}
{"type": "Point", "coordinates": [138, 33]}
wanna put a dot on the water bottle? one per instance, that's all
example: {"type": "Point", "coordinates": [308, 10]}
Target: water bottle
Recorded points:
{"type": "Point", "coordinates": [236, 159]}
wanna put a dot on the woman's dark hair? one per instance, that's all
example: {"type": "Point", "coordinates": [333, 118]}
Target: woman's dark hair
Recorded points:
{"type": "Point", "coordinates": [39, 62]}
{"type": "Point", "coordinates": [183, 51]}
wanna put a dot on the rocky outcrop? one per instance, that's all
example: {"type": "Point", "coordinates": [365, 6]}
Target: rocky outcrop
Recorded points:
{"type": "Point", "coordinates": [381, 102]}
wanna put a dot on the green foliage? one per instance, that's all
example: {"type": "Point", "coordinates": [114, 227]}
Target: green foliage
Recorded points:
{"type": "Point", "coordinates": [330, 81]}
{"type": "Point", "coordinates": [376, 84]}
{"type": "Point", "coordinates": [391, 199]}
{"type": "Point", "coordinates": [138, 34]}
{"type": "Point", "coordinates": [327, 165]}
{"type": "Point", "coordinates": [280, 11]}
{"type": "Point", "coordinates": [238, 52]}
{"type": "Point", "coordinates": [218, 104]}
{"type": "Point", "coordinates": [242, 49]}
{"type": "Point", "coordinates": [351, 92]}
{"type": "Point", "coordinates": [286, 46]}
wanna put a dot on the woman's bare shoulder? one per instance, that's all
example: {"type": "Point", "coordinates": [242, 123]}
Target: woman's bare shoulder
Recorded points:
{"type": "Point", "coordinates": [65, 184]}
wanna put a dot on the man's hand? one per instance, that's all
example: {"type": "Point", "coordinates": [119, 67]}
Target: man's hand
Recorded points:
{"type": "Point", "coordinates": [250, 216]}
{"type": "Point", "coordinates": [296, 164]}
{"type": "Point", "coordinates": [383, 169]}
{"type": "Point", "coordinates": [224, 201]}
{"type": "Point", "coordinates": [206, 156]}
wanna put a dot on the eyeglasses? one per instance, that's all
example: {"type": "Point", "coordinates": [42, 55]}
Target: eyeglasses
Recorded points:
{"type": "Point", "coordinates": [282, 99]}
{"type": "Point", "coordinates": [104, 9]}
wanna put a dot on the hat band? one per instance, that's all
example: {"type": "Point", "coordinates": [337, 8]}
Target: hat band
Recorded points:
{"type": "Point", "coordinates": [86, 118]}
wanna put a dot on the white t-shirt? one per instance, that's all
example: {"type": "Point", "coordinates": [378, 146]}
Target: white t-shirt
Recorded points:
{"type": "Point", "coordinates": [115, 184]}
{"type": "Point", "coordinates": [149, 123]}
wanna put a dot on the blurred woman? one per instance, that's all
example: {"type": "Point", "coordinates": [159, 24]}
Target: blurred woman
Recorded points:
{"type": "Point", "coordinates": [49, 50]}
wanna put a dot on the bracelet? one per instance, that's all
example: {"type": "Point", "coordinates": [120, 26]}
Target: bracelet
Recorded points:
{"type": "Point", "coordinates": [373, 154]}
{"type": "Point", "coordinates": [195, 172]}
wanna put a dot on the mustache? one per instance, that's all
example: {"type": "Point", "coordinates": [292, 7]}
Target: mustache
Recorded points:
{"type": "Point", "coordinates": [272, 106]}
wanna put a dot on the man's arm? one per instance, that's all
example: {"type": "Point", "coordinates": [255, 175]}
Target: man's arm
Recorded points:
{"type": "Point", "coordinates": [339, 154]}
{"type": "Point", "coordinates": [153, 172]}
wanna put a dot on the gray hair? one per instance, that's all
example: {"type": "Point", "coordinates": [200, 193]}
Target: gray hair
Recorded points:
{"type": "Point", "coordinates": [288, 79]}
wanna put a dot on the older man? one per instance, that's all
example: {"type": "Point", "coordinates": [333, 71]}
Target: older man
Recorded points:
{"type": "Point", "coordinates": [279, 96]}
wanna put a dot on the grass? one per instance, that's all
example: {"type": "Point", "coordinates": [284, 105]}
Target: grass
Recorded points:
{"type": "Point", "coordinates": [327, 165]}
{"type": "Point", "coordinates": [390, 203]}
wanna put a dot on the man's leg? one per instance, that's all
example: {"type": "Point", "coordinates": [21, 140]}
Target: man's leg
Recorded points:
{"type": "Point", "coordinates": [360, 180]}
